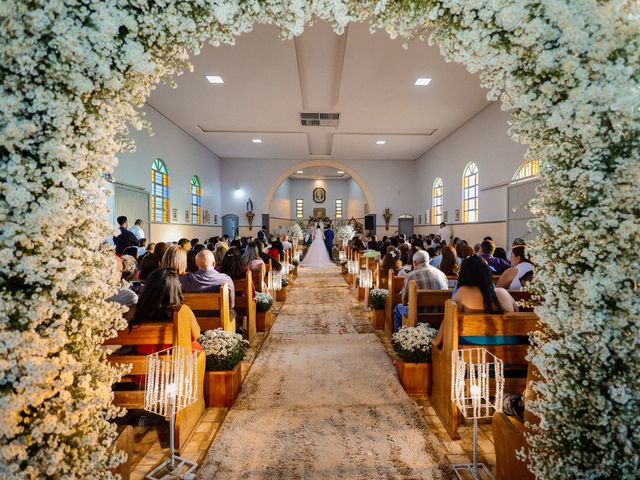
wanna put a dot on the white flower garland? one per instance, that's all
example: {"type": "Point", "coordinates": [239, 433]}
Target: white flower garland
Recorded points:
{"type": "Point", "coordinates": [72, 75]}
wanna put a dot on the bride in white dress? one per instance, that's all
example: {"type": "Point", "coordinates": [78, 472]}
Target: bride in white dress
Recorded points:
{"type": "Point", "coordinates": [317, 255]}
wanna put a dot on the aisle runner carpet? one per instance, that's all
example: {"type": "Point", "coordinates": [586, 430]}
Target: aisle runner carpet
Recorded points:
{"type": "Point", "coordinates": [322, 400]}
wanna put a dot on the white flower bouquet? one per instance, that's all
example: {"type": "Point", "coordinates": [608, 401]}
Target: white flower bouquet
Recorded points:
{"type": "Point", "coordinates": [296, 232]}
{"type": "Point", "coordinates": [224, 350]}
{"type": "Point", "coordinates": [345, 231]}
{"type": "Point", "coordinates": [264, 302]}
{"type": "Point", "coordinates": [413, 344]}
{"type": "Point", "coordinates": [285, 280]}
{"type": "Point", "coordinates": [378, 297]}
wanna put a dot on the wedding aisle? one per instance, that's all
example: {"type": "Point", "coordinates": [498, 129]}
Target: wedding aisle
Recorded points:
{"type": "Point", "coordinates": [322, 400]}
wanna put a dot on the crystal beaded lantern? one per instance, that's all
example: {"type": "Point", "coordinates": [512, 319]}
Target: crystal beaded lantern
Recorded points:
{"type": "Point", "coordinates": [477, 388]}
{"type": "Point", "coordinates": [171, 386]}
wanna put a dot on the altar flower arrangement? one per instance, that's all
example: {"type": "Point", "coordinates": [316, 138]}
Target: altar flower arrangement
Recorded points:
{"type": "Point", "coordinates": [224, 350]}
{"type": "Point", "coordinates": [296, 232]}
{"type": "Point", "coordinates": [378, 297]}
{"type": "Point", "coordinates": [345, 231]}
{"type": "Point", "coordinates": [264, 302]}
{"type": "Point", "coordinates": [413, 344]}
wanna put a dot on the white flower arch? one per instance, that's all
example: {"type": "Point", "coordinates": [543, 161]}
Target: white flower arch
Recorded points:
{"type": "Point", "coordinates": [73, 73]}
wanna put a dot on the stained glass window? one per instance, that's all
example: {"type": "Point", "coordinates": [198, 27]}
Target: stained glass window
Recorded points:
{"type": "Point", "coordinates": [528, 169]}
{"type": "Point", "coordinates": [437, 194]}
{"type": "Point", "coordinates": [196, 201]}
{"type": "Point", "coordinates": [160, 191]}
{"type": "Point", "coordinates": [299, 209]}
{"type": "Point", "coordinates": [338, 208]}
{"type": "Point", "coordinates": [470, 193]}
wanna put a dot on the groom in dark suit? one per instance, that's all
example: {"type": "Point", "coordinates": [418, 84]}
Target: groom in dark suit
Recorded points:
{"type": "Point", "coordinates": [328, 240]}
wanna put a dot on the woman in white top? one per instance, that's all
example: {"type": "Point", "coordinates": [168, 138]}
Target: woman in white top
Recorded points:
{"type": "Point", "coordinates": [520, 266]}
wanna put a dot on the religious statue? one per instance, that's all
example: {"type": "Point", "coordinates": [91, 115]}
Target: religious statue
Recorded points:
{"type": "Point", "coordinates": [250, 215]}
{"type": "Point", "coordinates": [387, 218]}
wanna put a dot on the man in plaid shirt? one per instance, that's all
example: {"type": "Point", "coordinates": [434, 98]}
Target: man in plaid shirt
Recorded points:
{"type": "Point", "coordinates": [426, 278]}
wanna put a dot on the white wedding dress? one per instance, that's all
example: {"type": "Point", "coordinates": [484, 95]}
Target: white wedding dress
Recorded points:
{"type": "Point", "coordinates": [317, 255]}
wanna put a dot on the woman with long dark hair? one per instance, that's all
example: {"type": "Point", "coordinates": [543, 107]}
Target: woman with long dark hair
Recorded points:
{"type": "Point", "coordinates": [161, 297]}
{"type": "Point", "coordinates": [449, 264]}
{"type": "Point", "coordinates": [476, 291]}
{"type": "Point", "coordinates": [391, 261]}
{"type": "Point", "coordinates": [232, 264]}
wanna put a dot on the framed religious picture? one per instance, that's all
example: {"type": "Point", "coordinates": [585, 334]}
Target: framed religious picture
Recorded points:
{"type": "Point", "coordinates": [174, 214]}
{"type": "Point", "coordinates": [206, 217]}
{"type": "Point", "coordinates": [445, 216]}
{"type": "Point", "coordinates": [215, 219]}
{"type": "Point", "coordinates": [419, 219]}
{"type": "Point", "coordinates": [319, 195]}
{"type": "Point", "coordinates": [319, 213]}
{"type": "Point", "coordinates": [457, 215]}
{"type": "Point", "coordinates": [186, 216]}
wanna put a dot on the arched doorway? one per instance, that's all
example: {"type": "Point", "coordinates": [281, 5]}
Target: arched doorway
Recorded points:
{"type": "Point", "coordinates": [230, 224]}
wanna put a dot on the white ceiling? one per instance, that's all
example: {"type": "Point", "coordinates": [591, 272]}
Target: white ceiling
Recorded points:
{"type": "Point", "coordinates": [369, 79]}
{"type": "Point", "coordinates": [320, 173]}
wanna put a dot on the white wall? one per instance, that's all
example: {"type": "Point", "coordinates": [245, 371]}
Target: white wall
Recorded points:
{"type": "Point", "coordinates": [391, 182]}
{"type": "Point", "coordinates": [355, 206]}
{"type": "Point", "coordinates": [304, 189]}
{"type": "Point", "coordinates": [483, 140]}
{"type": "Point", "coordinates": [283, 202]}
{"type": "Point", "coordinates": [184, 157]}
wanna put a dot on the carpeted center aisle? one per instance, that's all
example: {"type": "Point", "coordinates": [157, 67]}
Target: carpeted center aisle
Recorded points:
{"type": "Point", "coordinates": [322, 400]}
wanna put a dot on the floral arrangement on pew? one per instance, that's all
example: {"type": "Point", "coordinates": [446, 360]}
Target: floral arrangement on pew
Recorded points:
{"type": "Point", "coordinates": [285, 280]}
{"type": "Point", "coordinates": [413, 346]}
{"type": "Point", "coordinates": [264, 302]}
{"type": "Point", "coordinates": [224, 350]}
{"type": "Point", "coordinates": [378, 297]}
{"type": "Point", "coordinates": [223, 378]}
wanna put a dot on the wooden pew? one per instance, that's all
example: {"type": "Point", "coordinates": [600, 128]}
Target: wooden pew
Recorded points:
{"type": "Point", "coordinates": [245, 301]}
{"type": "Point", "coordinates": [261, 275]}
{"type": "Point", "coordinates": [175, 333]}
{"type": "Point", "coordinates": [456, 325]}
{"type": "Point", "coordinates": [394, 285]}
{"type": "Point", "coordinates": [425, 298]}
{"type": "Point", "coordinates": [212, 309]}
{"type": "Point", "coordinates": [509, 436]}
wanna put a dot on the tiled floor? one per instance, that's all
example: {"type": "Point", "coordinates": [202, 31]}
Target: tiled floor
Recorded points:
{"type": "Point", "coordinates": [151, 443]}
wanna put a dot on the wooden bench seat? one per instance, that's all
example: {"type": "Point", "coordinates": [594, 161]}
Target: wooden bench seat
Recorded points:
{"type": "Point", "coordinates": [174, 333]}
{"type": "Point", "coordinates": [420, 300]}
{"type": "Point", "coordinates": [456, 325]}
{"type": "Point", "coordinates": [245, 302]}
{"type": "Point", "coordinates": [211, 309]}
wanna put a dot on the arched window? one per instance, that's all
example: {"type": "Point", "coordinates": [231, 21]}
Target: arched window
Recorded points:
{"type": "Point", "coordinates": [470, 193]}
{"type": "Point", "coordinates": [196, 201]}
{"type": "Point", "coordinates": [528, 169]}
{"type": "Point", "coordinates": [437, 194]}
{"type": "Point", "coordinates": [160, 191]}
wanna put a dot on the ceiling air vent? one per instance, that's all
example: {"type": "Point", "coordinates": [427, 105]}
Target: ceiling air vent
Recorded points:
{"type": "Point", "coordinates": [319, 119]}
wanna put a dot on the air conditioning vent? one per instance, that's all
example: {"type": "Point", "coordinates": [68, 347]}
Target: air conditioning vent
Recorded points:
{"type": "Point", "coordinates": [319, 119]}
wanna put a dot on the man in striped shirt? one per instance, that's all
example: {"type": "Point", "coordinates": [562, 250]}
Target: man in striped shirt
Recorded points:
{"type": "Point", "coordinates": [426, 278]}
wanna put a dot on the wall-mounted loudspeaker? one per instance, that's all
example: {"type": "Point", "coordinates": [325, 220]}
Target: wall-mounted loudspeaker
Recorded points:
{"type": "Point", "coordinates": [370, 222]}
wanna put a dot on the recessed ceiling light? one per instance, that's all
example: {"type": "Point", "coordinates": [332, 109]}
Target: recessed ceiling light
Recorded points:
{"type": "Point", "coordinates": [423, 81]}
{"type": "Point", "coordinates": [381, 142]}
{"type": "Point", "coordinates": [300, 171]}
{"type": "Point", "coordinates": [340, 172]}
{"type": "Point", "coordinates": [214, 78]}
{"type": "Point", "coordinates": [256, 140]}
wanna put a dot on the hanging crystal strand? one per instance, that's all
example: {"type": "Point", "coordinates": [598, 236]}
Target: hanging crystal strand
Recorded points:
{"type": "Point", "coordinates": [149, 381]}
{"type": "Point", "coordinates": [163, 383]}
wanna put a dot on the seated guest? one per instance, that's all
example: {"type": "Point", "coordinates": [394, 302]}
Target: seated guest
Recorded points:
{"type": "Point", "coordinates": [449, 264]}
{"type": "Point", "coordinates": [176, 258]}
{"type": "Point", "coordinates": [185, 243]}
{"type": "Point", "coordinates": [194, 242]}
{"type": "Point", "coordinates": [143, 249]}
{"type": "Point", "coordinates": [391, 261]}
{"type": "Point", "coordinates": [521, 266]}
{"type": "Point", "coordinates": [161, 297]}
{"type": "Point", "coordinates": [496, 264]}
{"type": "Point", "coordinates": [232, 265]}
{"type": "Point", "coordinates": [254, 263]}
{"type": "Point", "coordinates": [129, 268]}
{"type": "Point", "coordinates": [161, 248]}
{"type": "Point", "coordinates": [465, 251]}
{"type": "Point", "coordinates": [437, 256]}
{"type": "Point", "coordinates": [207, 279]}
{"type": "Point", "coordinates": [124, 296]}
{"type": "Point", "coordinates": [426, 277]}
{"type": "Point", "coordinates": [277, 245]}
{"type": "Point", "coordinates": [286, 244]}
{"type": "Point", "coordinates": [405, 258]}
{"type": "Point", "coordinates": [220, 251]}
{"type": "Point", "coordinates": [236, 243]}
{"type": "Point", "coordinates": [126, 238]}
{"type": "Point", "coordinates": [500, 253]}
{"type": "Point", "coordinates": [191, 261]}
{"type": "Point", "coordinates": [149, 264]}
{"type": "Point", "coordinates": [131, 252]}
{"type": "Point", "coordinates": [277, 266]}
{"type": "Point", "coordinates": [357, 244]}
{"type": "Point", "coordinates": [476, 291]}
{"type": "Point", "coordinates": [372, 244]}
{"type": "Point", "coordinates": [516, 242]}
